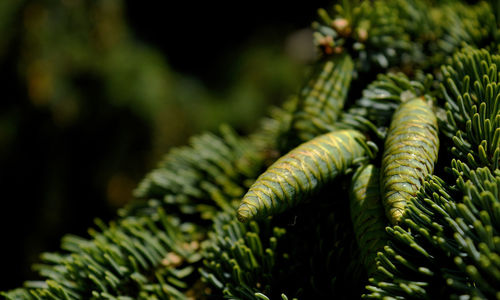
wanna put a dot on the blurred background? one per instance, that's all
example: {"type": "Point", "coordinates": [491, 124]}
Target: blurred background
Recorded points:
{"type": "Point", "coordinates": [95, 92]}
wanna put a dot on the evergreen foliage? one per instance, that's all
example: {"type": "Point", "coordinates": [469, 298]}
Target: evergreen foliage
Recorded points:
{"type": "Point", "coordinates": [241, 258]}
{"type": "Point", "coordinates": [472, 92]}
{"type": "Point", "coordinates": [210, 175]}
{"type": "Point", "coordinates": [135, 258]}
{"type": "Point", "coordinates": [313, 237]}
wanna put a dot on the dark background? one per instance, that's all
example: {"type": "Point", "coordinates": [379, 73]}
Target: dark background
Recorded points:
{"type": "Point", "coordinates": [58, 175]}
{"type": "Point", "coordinates": [202, 37]}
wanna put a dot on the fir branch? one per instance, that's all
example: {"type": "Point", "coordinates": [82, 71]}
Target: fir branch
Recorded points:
{"type": "Point", "coordinates": [458, 24]}
{"type": "Point", "coordinates": [212, 174]}
{"type": "Point", "coordinates": [447, 244]}
{"type": "Point", "coordinates": [240, 258]}
{"type": "Point", "coordinates": [472, 94]}
{"type": "Point", "coordinates": [381, 98]}
{"type": "Point", "coordinates": [134, 258]}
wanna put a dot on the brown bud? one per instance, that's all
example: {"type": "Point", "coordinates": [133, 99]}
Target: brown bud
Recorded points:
{"type": "Point", "coordinates": [328, 50]}
{"type": "Point", "coordinates": [338, 50]}
{"type": "Point", "coordinates": [172, 259]}
{"type": "Point", "coordinates": [326, 41]}
{"type": "Point", "coordinates": [342, 27]}
{"type": "Point", "coordinates": [326, 44]}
